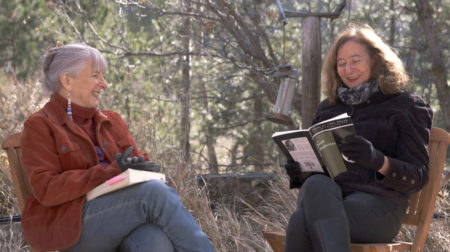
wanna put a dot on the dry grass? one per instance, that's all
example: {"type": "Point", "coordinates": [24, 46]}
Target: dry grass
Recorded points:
{"type": "Point", "coordinates": [232, 224]}
{"type": "Point", "coordinates": [11, 238]}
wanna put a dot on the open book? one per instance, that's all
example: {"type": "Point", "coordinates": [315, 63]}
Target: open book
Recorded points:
{"type": "Point", "coordinates": [315, 148]}
{"type": "Point", "coordinates": [126, 178]}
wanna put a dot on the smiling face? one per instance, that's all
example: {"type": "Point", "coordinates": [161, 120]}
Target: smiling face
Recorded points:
{"type": "Point", "coordinates": [353, 64]}
{"type": "Point", "coordinates": [85, 88]}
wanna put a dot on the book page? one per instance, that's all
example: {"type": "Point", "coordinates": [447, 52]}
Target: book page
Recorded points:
{"type": "Point", "coordinates": [330, 125]}
{"type": "Point", "coordinates": [327, 137]}
{"type": "Point", "coordinates": [301, 151]}
{"type": "Point", "coordinates": [315, 149]}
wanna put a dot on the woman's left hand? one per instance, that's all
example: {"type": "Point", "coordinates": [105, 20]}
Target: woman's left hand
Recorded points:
{"type": "Point", "coordinates": [362, 152]}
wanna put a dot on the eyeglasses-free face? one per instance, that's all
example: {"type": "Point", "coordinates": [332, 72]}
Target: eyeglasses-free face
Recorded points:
{"type": "Point", "coordinates": [86, 87]}
{"type": "Point", "coordinates": [353, 64]}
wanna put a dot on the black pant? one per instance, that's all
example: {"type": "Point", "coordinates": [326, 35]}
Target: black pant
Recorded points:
{"type": "Point", "coordinates": [325, 220]}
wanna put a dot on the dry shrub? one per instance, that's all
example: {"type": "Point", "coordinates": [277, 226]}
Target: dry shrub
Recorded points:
{"type": "Point", "coordinates": [438, 238]}
{"type": "Point", "coordinates": [238, 227]}
{"type": "Point", "coordinates": [11, 238]}
{"type": "Point", "coordinates": [18, 100]}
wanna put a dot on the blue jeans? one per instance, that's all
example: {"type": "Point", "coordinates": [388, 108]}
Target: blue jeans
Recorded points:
{"type": "Point", "coordinates": [144, 217]}
{"type": "Point", "coordinates": [327, 220]}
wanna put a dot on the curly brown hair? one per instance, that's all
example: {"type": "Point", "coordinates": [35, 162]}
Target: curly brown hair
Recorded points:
{"type": "Point", "coordinates": [387, 67]}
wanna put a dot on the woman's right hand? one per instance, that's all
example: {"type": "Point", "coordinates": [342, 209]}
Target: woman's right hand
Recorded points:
{"type": "Point", "coordinates": [294, 170]}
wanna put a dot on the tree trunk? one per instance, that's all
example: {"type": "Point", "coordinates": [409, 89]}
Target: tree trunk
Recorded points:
{"type": "Point", "coordinates": [212, 157]}
{"type": "Point", "coordinates": [392, 25]}
{"type": "Point", "coordinates": [185, 94]}
{"type": "Point", "coordinates": [234, 158]}
{"type": "Point", "coordinates": [208, 134]}
{"type": "Point", "coordinates": [311, 64]}
{"type": "Point", "coordinates": [410, 60]}
{"type": "Point", "coordinates": [438, 66]}
{"type": "Point", "coordinates": [258, 150]}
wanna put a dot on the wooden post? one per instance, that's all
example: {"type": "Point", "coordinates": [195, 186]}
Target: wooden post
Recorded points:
{"type": "Point", "coordinates": [311, 67]}
{"type": "Point", "coordinates": [311, 58]}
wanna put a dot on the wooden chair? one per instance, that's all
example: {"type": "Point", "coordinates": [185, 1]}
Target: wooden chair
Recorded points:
{"type": "Point", "coordinates": [418, 214]}
{"type": "Point", "coordinates": [20, 182]}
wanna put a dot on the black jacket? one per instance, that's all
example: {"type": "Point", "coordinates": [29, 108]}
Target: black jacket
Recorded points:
{"type": "Point", "coordinates": [399, 126]}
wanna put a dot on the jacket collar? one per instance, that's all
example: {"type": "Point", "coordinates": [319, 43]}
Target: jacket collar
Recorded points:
{"type": "Point", "coordinates": [56, 112]}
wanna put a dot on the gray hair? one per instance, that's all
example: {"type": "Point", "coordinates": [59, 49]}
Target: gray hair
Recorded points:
{"type": "Point", "coordinates": [70, 58]}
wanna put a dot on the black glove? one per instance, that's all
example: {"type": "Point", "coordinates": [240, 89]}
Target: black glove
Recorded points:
{"type": "Point", "coordinates": [361, 151]}
{"type": "Point", "coordinates": [294, 172]}
{"type": "Point", "coordinates": [125, 161]}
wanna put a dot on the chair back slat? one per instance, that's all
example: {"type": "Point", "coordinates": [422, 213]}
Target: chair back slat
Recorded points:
{"type": "Point", "coordinates": [21, 186]}
{"type": "Point", "coordinates": [439, 141]}
{"type": "Point", "coordinates": [422, 203]}
{"type": "Point", "coordinates": [17, 174]}
{"type": "Point", "coordinates": [12, 141]}
{"type": "Point", "coordinates": [414, 202]}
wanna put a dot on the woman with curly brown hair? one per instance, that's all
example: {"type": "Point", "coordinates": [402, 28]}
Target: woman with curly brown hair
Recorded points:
{"type": "Point", "coordinates": [387, 158]}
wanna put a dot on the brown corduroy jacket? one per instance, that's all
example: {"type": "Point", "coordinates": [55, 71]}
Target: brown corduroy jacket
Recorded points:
{"type": "Point", "coordinates": [62, 165]}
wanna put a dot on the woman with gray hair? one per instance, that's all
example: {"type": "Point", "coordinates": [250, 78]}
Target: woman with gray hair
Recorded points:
{"type": "Point", "coordinates": [69, 147]}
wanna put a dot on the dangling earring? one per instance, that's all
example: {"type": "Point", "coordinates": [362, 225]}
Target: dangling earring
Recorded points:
{"type": "Point", "coordinates": [69, 107]}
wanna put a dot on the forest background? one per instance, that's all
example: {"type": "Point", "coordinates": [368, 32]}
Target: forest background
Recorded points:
{"type": "Point", "coordinates": [194, 81]}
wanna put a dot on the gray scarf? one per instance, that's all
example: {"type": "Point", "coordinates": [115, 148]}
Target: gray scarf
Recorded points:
{"type": "Point", "coordinates": [359, 94]}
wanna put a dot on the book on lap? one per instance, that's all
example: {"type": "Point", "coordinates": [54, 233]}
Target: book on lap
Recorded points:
{"type": "Point", "coordinates": [127, 178]}
{"type": "Point", "coordinates": [316, 148]}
